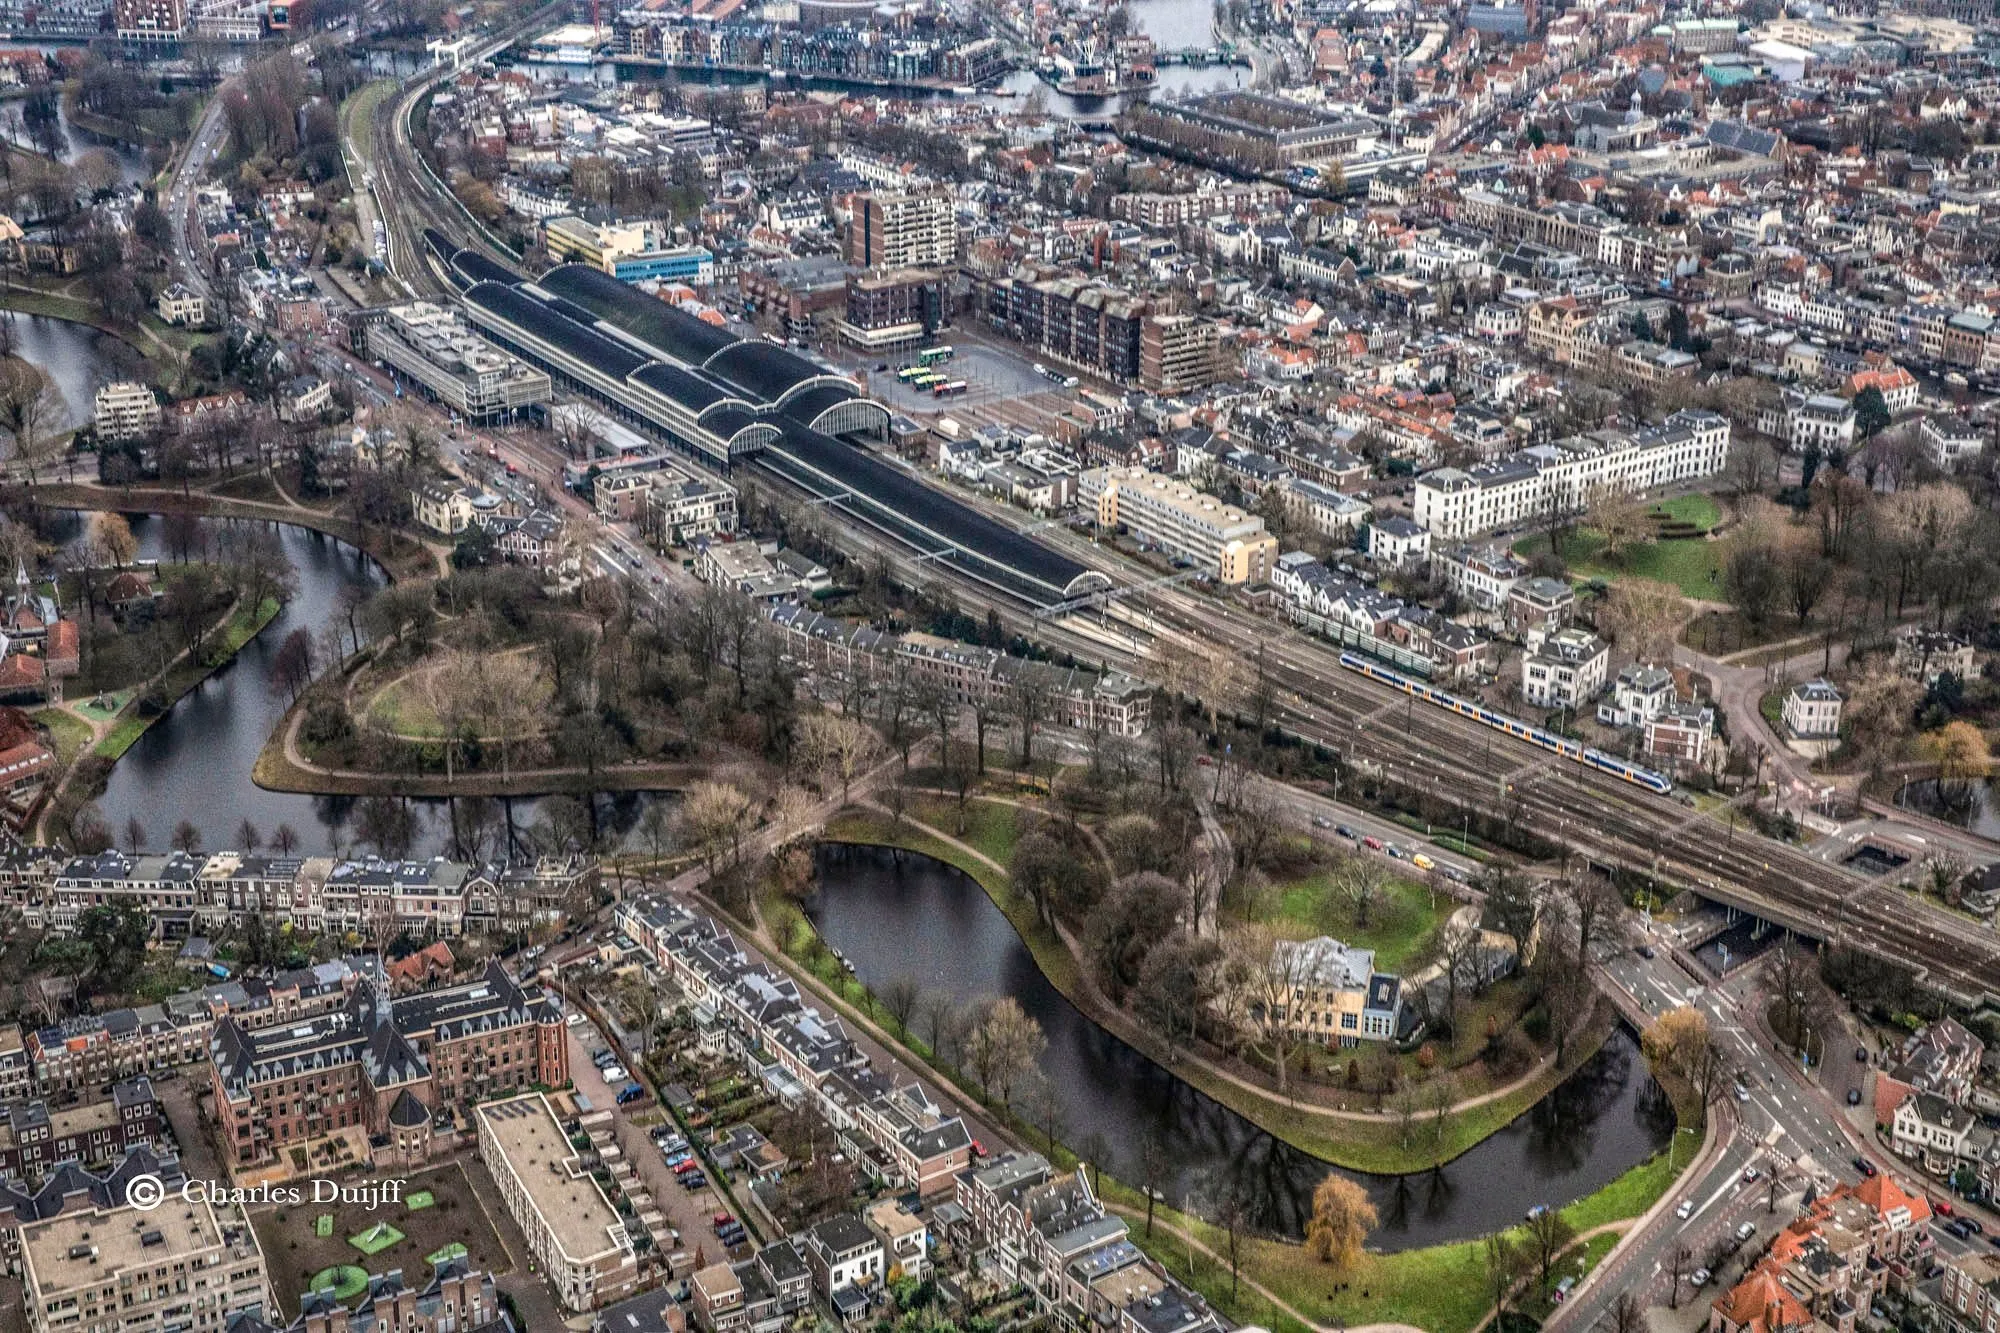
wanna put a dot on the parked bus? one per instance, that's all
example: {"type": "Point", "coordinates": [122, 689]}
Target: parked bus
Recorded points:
{"type": "Point", "coordinates": [908, 373]}
{"type": "Point", "coordinates": [948, 389]}
{"type": "Point", "coordinates": [928, 380]}
{"type": "Point", "coordinates": [932, 356]}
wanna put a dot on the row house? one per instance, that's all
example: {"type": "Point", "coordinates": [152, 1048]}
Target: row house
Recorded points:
{"type": "Point", "coordinates": [92, 1051]}
{"type": "Point", "coordinates": [760, 1012]}
{"type": "Point", "coordinates": [1048, 1231]}
{"type": "Point", "coordinates": [34, 1140]}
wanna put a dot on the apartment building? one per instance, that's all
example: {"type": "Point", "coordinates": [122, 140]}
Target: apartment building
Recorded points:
{"type": "Point", "coordinates": [178, 1267]}
{"type": "Point", "coordinates": [890, 309]}
{"type": "Point", "coordinates": [1078, 321]}
{"type": "Point", "coordinates": [125, 410]}
{"type": "Point", "coordinates": [1970, 1292]}
{"type": "Point", "coordinates": [34, 1140]}
{"type": "Point", "coordinates": [379, 1064]}
{"type": "Point", "coordinates": [150, 22]}
{"type": "Point", "coordinates": [681, 506]}
{"type": "Point", "coordinates": [1951, 441]}
{"type": "Point", "coordinates": [437, 351]}
{"type": "Point", "coordinates": [1218, 539]}
{"type": "Point", "coordinates": [442, 507]}
{"type": "Point", "coordinates": [1332, 994]}
{"type": "Point", "coordinates": [1563, 476]}
{"type": "Point", "coordinates": [1831, 1261]}
{"type": "Point", "coordinates": [1178, 354]}
{"type": "Point", "coordinates": [911, 229]}
{"type": "Point", "coordinates": [1111, 702]}
{"type": "Point", "coordinates": [581, 1242]}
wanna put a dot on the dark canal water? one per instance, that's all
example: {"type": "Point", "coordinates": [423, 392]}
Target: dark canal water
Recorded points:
{"type": "Point", "coordinates": [896, 914]}
{"type": "Point", "coordinates": [195, 762]}
{"type": "Point", "coordinates": [1974, 806]}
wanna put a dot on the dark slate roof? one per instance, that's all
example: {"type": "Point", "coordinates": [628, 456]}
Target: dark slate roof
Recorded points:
{"type": "Point", "coordinates": [585, 344]}
{"type": "Point", "coordinates": [896, 502]}
{"type": "Point", "coordinates": [764, 369]}
{"type": "Point", "coordinates": [673, 330]}
{"type": "Point", "coordinates": [816, 400]}
{"type": "Point", "coordinates": [408, 1111]}
{"type": "Point", "coordinates": [690, 390]}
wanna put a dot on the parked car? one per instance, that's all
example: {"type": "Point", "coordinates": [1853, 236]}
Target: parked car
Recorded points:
{"type": "Point", "coordinates": [631, 1092]}
{"type": "Point", "coordinates": [615, 1074]}
{"type": "Point", "coordinates": [1750, 1172]}
{"type": "Point", "coordinates": [1700, 1277]}
{"type": "Point", "coordinates": [1648, 951]}
{"type": "Point", "coordinates": [1344, 831]}
{"type": "Point", "coordinates": [1686, 1210]}
{"type": "Point", "coordinates": [679, 1156]}
{"type": "Point", "coordinates": [1745, 1232]}
{"type": "Point", "coordinates": [722, 1220]}
{"type": "Point", "coordinates": [694, 1180]}
{"type": "Point", "coordinates": [1422, 862]}
{"type": "Point", "coordinates": [1321, 821]}
{"type": "Point", "coordinates": [1372, 844]}
{"type": "Point", "coordinates": [1861, 1055]}
{"type": "Point", "coordinates": [1854, 1096]}
{"type": "Point", "coordinates": [1943, 1208]}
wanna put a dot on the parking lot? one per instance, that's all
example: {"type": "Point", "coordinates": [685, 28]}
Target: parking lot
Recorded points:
{"type": "Point", "coordinates": [690, 1212]}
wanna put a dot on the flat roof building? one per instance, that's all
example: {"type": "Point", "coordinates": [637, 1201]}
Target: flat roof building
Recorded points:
{"type": "Point", "coordinates": [572, 1229]}
{"type": "Point", "coordinates": [175, 1267]}
{"type": "Point", "coordinates": [1216, 538]}
{"type": "Point", "coordinates": [433, 347]}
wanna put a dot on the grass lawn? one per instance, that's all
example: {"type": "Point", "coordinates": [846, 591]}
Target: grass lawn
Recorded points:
{"type": "Point", "coordinates": [1695, 567]}
{"type": "Point", "coordinates": [1577, 1262]}
{"type": "Point", "coordinates": [123, 734]}
{"type": "Point", "coordinates": [1440, 1289]}
{"type": "Point", "coordinates": [990, 826]}
{"type": "Point", "coordinates": [1772, 705]}
{"type": "Point", "coordinates": [295, 1251]}
{"type": "Point", "coordinates": [421, 1199]}
{"type": "Point", "coordinates": [1699, 511]}
{"type": "Point", "coordinates": [69, 732]}
{"type": "Point", "coordinates": [323, 1225]}
{"type": "Point", "coordinates": [345, 1282]}
{"type": "Point", "coordinates": [1359, 1145]}
{"type": "Point", "coordinates": [1398, 923]}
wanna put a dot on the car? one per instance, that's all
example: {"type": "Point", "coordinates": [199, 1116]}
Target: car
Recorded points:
{"type": "Point", "coordinates": [1865, 1167]}
{"type": "Point", "coordinates": [1344, 831]}
{"type": "Point", "coordinates": [615, 1074]}
{"type": "Point", "coordinates": [1422, 862]}
{"type": "Point", "coordinates": [1751, 1173]}
{"type": "Point", "coordinates": [1699, 1277]}
{"type": "Point", "coordinates": [1321, 821]}
{"type": "Point", "coordinates": [603, 1056]}
{"type": "Point", "coordinates": [1745, 1232]}
{"type": "Point", "coordinates": [1372, 844]}
{"type": "Point", "coordinates": [631, 1092]}
{"type": "Point", "coordinates": [1860, 1055]}
{"type": "Point", "coordinates": [1686, 1210]}
{"type": "Point", "coordinates": [1958, 1229]}
{"type": "Point", "coordinates": [978, 1148]}
{"type": "Point", "coordinates": [882, 367]}
{"type": "Point", "coordinates": [694, 1180]}
{"type": "Point", "coordinates": [1854, 1096]}
{"type": "Point", "coordinates": [1743, 1095]}
{"type": "Point", "coordinates": [1648, 951]}
{"type": "Point", "coordinates": [676, 1156]}
{"type": "Point", "coordinates": [1974, 1225]}
{"type": "Point", "coordinates": [573, 1017]}
{"type": "Point", "coordinates": [1942, 1207]}
{"type": "Point", "coordinates": [1395, 852]}
{"type": "Point", "coordinates": [722, 1220]}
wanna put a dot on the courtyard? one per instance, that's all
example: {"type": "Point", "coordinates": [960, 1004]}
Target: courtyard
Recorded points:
{"type": "Point", "coordinates": [299, 1244]}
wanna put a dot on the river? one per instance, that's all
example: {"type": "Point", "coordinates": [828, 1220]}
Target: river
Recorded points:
{"type": "Point", "coordinates": [896, 914]}
{"type": "Point", "coordinates": [69, 354]}
{"type": "Point", "coordinates": [195, 763]}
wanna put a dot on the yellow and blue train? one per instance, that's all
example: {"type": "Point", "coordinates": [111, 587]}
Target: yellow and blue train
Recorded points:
{"type": "Point", "coordinates": [1574, 751]}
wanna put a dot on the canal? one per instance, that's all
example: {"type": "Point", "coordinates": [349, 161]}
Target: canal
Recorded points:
{"type": "Point", "coordinates": [195, 763]}
{"type": "Point", "coordinates": [897, 914]}
{"type": "Point", "coordinates": [70, 355]}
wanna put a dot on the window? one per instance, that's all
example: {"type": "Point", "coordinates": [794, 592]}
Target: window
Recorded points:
{"type": "Point", "coordinates": [1347, 1022]}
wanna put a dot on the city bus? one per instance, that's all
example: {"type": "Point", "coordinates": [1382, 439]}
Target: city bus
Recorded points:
{"type": "Point", "coordinates": [932, 356]}
{"type": "Point", "coordinates": [948, 389]}
{"type": "Point", "coordinates": [908, 373]}
{"type": "Point", "coordinates": [929, 379]}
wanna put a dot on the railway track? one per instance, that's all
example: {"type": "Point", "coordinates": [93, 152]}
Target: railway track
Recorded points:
{"type": "Point", "coordinates": [1612, 823]}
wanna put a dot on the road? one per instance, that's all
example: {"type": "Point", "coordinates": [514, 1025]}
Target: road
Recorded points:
{"type": "Point", "coordinates": [1464, 764]}
{"type": "Point", "coordinates": [186, 182]}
